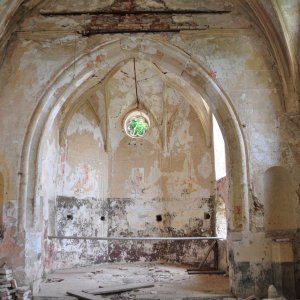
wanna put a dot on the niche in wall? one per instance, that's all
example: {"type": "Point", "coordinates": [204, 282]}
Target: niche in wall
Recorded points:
{"type": "Point", "coordinates": [280, 205]}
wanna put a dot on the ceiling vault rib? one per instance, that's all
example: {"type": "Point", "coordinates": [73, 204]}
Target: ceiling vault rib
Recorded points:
{"type": "Point", "coordinates": [106, 115]}
{"type": "Point", "coordinates": [165, 119]}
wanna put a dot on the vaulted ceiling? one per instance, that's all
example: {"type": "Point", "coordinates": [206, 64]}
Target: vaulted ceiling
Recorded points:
{"type": "Point", "coordinates": [278, 21]}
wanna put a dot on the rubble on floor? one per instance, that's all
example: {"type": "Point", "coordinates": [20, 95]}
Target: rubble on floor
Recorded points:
{"type": "Point", "coordinates": [273, 294]}
{"type": "Point", "coordinates": [7, 283]}
{"type": "Point", "coordinates": [8, 286]}
{"type": "Point", "coordinates": [23, 293]}
{"type": "Point", "coordinates": [170, 282]}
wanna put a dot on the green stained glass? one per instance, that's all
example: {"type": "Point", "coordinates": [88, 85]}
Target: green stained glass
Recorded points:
{"type": "Point", "coordinates": [137, 126]}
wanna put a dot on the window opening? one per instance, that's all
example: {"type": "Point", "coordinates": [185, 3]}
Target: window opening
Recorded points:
{"type": "Point", "coordinates": [219, 151]}
{"type": "Point", "coordinates": [136, 124]}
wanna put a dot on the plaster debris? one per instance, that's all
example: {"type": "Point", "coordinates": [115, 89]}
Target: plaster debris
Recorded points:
{"type": "Point", "coordinates": [272, 292]}
{"type": "Point", "coordinates": [54, 280]}
{"type": "Point", "coordinates": [23, 293]}
{"type": "Point", "coordinates": [8, 284]}
{"type": "Point", "coordinates": [170, 281]}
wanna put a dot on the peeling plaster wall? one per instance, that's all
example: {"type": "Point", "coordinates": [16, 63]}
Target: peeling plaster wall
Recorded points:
{"type": "Point", "coordinates": [80, 217]}
{"type": "Point", "coordinates": [83, 164]}
{"type": "Point", "coordinates": [82, 184]}
{"type": "Point", "coordinates": [41, 248]}
{"type": "Point", "coordinates": [236, 56]}
{"type": "Point", "coordinates": [171, 177]}
{"type": "Point", "coordinates": [136, 179]}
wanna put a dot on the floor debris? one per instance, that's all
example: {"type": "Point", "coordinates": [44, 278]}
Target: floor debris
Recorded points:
{"type": "Point", "coordinates": [8, 285]}
{"type": "Point", "coordinates": [171, 281]}
{"type": "Point", "coordinates": [23, 293]}
{"type": "Point", "coordinates": [50, 280]}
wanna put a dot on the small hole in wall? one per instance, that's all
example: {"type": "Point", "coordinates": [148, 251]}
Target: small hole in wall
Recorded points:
{"type": "Point", "coordinates": [69, 217]}
{"type": "Point", "coordinates": [102, 218]}
{"type": "Point", "coordinates": [158, 218]}
{"type": "Point", "coordinates": [206, 216]}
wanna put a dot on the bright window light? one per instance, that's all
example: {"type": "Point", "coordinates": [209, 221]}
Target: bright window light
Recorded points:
{"type": "Point", "coordinates": [219, 151]}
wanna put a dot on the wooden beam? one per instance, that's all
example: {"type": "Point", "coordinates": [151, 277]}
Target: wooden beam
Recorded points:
{"type": "Point", "coordinates": [134, 238]}
{"type": "Point", "coordinates": [82, 295]}
{"type": "Point", "coordinates": [207, 253]}
{"type": "Point", "coordinates": [136, 12]}
{"type": "Point", "coordinates": [119, 289]}
{"type": "Point", "coordinates": [197, 271]}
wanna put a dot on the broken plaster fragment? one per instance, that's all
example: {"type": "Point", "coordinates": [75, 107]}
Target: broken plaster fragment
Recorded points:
{"type": "Point", "coordinates": [50, 280]}
{"type": "Point", "coordinates": [272, 292]}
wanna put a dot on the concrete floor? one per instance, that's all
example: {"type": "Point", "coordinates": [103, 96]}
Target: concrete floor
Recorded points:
{"type": "Point", "coordinates": [171, 282]}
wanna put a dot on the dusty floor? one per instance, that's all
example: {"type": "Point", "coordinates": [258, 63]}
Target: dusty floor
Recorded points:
{"type": "Point", "coordinates": [171, 282]}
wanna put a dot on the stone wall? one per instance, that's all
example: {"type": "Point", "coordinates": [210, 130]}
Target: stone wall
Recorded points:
{"type": "Point", "coordinates": [126, 217]}
{"type": "Point", "coordinates": [131, 183]}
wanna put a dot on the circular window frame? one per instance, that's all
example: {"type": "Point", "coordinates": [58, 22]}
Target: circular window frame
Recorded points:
{"type": "Point", "coordinates": [135, 114]}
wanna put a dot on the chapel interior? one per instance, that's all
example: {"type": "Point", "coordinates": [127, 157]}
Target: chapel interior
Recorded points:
{"type": "Point", "coordinates": [151, 146]}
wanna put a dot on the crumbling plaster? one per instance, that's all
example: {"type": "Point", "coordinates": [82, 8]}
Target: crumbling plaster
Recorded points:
{"type": "Point", "coordinates": [141, 175]}
{"type": "Point", "coordinates": [269, 16]}
{"type": "Point", "coordinates": [72, 70]}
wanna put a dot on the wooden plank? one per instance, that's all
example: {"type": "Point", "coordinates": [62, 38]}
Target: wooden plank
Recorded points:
{"type": "Point", "coordinates": [207, 253]}
{"type": "Point", "coordinates": [82, 295]}
{"type": "Point", "coordinates": [197, 271]}
{"type": "Point", "coordinates": [138, 238]}
{"type": "Point", "coordinates": [54, 298]}
{"type": "Point", "coordinates": [119, 289]}
{"type": "Point", "coordinates": [216, 257]}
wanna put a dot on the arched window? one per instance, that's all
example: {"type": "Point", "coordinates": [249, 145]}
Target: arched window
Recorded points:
{"type": "Point", "coordinates": [219, 151]}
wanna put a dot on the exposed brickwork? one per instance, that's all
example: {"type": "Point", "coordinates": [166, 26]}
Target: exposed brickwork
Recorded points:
{"type": "Point", "coordinates": [138, 23]}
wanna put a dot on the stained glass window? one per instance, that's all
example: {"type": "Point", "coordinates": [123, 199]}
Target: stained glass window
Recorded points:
{"type": "Point", "coordinates": [136, 124]}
